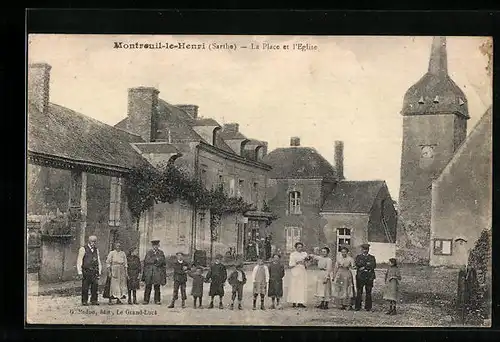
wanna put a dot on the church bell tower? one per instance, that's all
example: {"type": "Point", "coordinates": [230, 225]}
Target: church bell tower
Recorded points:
{"type": "Point", "coordinates": [435, 118]}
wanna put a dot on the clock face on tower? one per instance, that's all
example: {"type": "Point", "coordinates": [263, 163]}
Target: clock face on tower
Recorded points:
{"type": "Point", "coordinates": [427, 151]}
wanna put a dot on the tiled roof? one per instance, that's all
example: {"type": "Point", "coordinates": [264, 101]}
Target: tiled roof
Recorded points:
{"type": "Point", "coordinates": [352, 196]}
{"type": "Point", "coordinates": [298, 163]}
{"type": "Point", "coordinates": [65, 133]}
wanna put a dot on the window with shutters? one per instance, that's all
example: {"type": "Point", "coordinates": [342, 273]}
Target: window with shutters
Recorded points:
{"type": "Point", "coordinates": [292, 236]}
{"type": "Point", "coordinates": [202, 226]}
{"type": "Point", "coordinates": [182, 226]}
{"type": "Point", "coordinates": [294, 205]}
{"type": "Point", "coordinates": [115, 201]}
{"type": "Point", "coordinates": [241, 188]}
{"type": "Point", "coordinates": [343, 237]}
{"type": "Point", "coordinates": [255, 193]}
{"type": "Point", "coordinates": [203, 176]}
{"type": "Point", "coordinates": [442, 246]}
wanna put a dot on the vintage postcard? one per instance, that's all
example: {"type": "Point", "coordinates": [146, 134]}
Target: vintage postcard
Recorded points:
{"type": "Point", "coordinates": [259, 180]}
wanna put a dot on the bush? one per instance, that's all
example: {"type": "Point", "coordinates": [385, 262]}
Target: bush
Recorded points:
{"type": "Point", "coordinates": [480, 260]}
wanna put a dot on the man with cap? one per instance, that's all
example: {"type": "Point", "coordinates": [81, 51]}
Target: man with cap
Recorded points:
{"type": "Point", "coordinates": [365, 275]}
{"type": "Point", "coordinates": [155, 272]}
{"type": "Point", "coordinates": [89, 268]}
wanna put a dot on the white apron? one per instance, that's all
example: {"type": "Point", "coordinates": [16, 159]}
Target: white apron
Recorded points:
{"type": "Point", "coordinates": [297, 288]}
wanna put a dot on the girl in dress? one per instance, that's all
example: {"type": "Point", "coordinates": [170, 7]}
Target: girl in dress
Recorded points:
{"type": "Point", "coordinates": [297, 289]}
{"type": "Point", "coordinates": [117, 268]}
{"type": "Point", "coordinates": [324, 278]}
{"type": "Point", "coordinates": [134, 274]}
{"type": "Point", "coordinates": [343, 282]}
{"type": "Point", "coordinates": [391, 291]}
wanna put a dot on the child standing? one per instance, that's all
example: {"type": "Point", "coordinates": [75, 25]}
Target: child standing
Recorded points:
{"type": "Point", "coordinates": [217, 276]}
{"type": "Point", "coordinates": [391, 291]}
{"type": "Point", "coordinates": [180, 280]}
{"type": "Point", "coordinates": [260, 278]}
{"type": "Point", "coordinates": [237, 279]}
{"type": "Point", "coordinates": [276, 274]}
{"type": "Point", "coordinates": [134, 274]}
{"type": "Point", "coordinates": [197, 287]}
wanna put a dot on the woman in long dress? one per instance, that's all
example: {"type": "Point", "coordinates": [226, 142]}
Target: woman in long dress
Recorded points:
{"type": "Point", "coordinates": [343, 282]}
{"type": "Point", "coordinates": [297, 288]}
{"type": "Point", "coordinates": [117, 268]}
{"type": "Point", "coordinates": [324, 278]}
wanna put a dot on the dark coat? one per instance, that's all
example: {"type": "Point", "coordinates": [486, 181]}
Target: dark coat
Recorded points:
{"type": "Point", "coordinates": [276, 274]}
{"type": "Point", "coordinates": [155, 268]}
{"type": "Point", "coordinates": [197, 287]}
{"type": "Point", "coordinates": [369, 263]}
{"type": "Point", "coordinates": [217, 276]}
{"type": "Point", "coordinates": [233, 278]}
{"type": "Point", "coordinates": [180, 275]}
{"type": "Point", "coordinates": [134, 270]}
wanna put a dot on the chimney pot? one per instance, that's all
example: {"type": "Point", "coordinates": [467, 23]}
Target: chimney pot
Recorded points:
{"type": "Point", "coordinates": [39, 85]}
{"type": "Point", "coordinates": [191, 109]}
{"type": "Point", "coordinates": [339, 159]}
{"type": "Point", "coordinates": [294, 141]}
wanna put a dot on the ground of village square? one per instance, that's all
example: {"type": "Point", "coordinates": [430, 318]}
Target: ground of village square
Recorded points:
{"type": "Point", "coordinates": [427, 300]}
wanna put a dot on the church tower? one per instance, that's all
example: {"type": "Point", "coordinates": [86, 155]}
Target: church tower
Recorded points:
{"type": "Point", "coordinates": [435, 118]}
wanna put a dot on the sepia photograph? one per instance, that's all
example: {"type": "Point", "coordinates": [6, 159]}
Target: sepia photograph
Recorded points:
{"type": "Point", "coordinates": [259, 180]}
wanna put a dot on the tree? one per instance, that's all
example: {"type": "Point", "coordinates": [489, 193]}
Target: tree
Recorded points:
{"type": "Point", "coordinates": [486, 49]}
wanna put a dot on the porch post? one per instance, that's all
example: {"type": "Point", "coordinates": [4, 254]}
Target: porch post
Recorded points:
{"type": "Point", "coordinates": [83, 206]}
{"type": "Point", "coordinates": [78, 201]}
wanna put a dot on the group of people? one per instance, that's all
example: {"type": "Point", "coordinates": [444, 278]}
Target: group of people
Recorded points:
{"type": "Point", "coordinates": [334, 282]}
{"type": "Point", "coordinates": [259, 248]}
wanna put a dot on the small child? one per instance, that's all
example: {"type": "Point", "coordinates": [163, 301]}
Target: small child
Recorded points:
{"type": "Point", "coordinates": [237, 279]}
{"type": "Point", "coordinates": [391, 291]}
{"type": "Point", "coordinates": [276, 274]}
{"type": "Point", "coordinates": [260, 278]}
{"type": "Point", "coordinates": [197, 286]}
{"type": "Point", "coordinates": [134, 274]}
{"type": "Point", "coordinates": [180, 279]}
{"type": "Point", "coordinates": [217, 276]}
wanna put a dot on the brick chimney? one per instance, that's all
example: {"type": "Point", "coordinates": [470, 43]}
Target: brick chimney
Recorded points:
{"type": "Point", "coordinates": [39, 85]}
{"type": "Point", "coordinates": [339, 159]}
{"type": "Point", "coordinates": [142, 112]}
{"type": "Point", "coordinates": [294, 141]}
{"type": "Point", "coordinates": [190, 109]}
{"type": "Point", "coordinates": [231, 127]}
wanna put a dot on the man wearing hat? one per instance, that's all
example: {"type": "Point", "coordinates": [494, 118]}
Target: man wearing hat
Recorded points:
{"type": "Point", "coordinates": [365, 264]}
{"type": "Point", "coordinates": [155, 273]}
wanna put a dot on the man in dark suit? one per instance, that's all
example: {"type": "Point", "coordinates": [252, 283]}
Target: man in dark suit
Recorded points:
{"type": "Point", "coordinates": [155, 272]}
{"type": "Point", "coordinates": [180, 278]}
{"type": "Point", "coordinates": [88, 266]}
{"type": "Point", "coordinates": [365, 275]}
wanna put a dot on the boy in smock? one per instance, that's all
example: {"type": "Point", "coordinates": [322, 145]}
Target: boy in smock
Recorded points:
{"type": "Point", "coordinates": [197, 286]}
{"type": "Point", "coordinates": [237, 279]}
{"type": "Point", "coordinates": [260, 278]}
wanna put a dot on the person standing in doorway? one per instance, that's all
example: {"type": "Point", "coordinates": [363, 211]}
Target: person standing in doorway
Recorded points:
{"type": "Point", "coordinates": [267, 248]}
{"type": "Point", "coordinates": [297, 288]}
{"type": "Point", "coordinates": [155, 272]}
{"type": "Point", "coordinates": [89, 268]}
{"type": "Point", "coordinates": [365, 275]}
{"type": "Point", "coordinates": [180, 280]}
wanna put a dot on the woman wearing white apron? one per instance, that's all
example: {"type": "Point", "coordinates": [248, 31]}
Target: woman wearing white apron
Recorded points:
{"type": "Point", "coordinates": [297, 288]}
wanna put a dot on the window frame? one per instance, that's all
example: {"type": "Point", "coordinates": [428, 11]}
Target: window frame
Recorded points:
{"type": "Point", "coordinates": [294, 202]}
{"type": "Point", "coordinates": [439, 250]}
{"type": "Point", "coordinates": [346, 235]}
{"type": "Point", "coordinates": [115, 202]}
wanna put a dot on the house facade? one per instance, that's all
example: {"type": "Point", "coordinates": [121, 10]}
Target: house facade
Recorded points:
{"type": "Point", "coordinates": [317, 206]}
{"type": "Point", "coordinates": [216, 155]}
{"type": "Point", "coordinates": [76, 173]}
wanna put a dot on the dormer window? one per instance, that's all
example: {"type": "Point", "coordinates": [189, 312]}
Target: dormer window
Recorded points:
{"type": "Point", "coordinates": [421, 100]}
{"type": "Point", "coordinates": [294, 198]}
{"type": "Point", "coordinates": [460, 101]}
{"type": "Point", "coordinates": [436, 99]}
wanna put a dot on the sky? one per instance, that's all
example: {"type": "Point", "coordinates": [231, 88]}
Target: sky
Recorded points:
{"type": "Point", "coordinates": [349, 88]}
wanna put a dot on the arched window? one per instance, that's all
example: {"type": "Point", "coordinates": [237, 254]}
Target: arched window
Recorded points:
{"type": "Point", "coordinates": [214, 136]}
{"type": "Point", "coordinates": [294, 198]}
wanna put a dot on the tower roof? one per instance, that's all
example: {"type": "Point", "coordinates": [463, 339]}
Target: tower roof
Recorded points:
{"type": "Point", "coordinates": [435, 92]}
